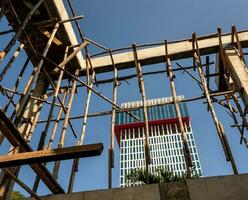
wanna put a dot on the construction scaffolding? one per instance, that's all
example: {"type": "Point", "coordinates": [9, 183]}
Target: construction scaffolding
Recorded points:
{"type": "Point", "coordinates": [44, 91]}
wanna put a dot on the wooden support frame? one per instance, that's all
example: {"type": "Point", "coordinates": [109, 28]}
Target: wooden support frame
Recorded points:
{"type": "Point", "coordinates": [50, 155]}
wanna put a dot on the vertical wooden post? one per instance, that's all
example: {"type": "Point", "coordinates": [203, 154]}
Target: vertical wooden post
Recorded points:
{"type": "Point", "coordinates": [112, 128]}
{"type": "Point", "coordinates": [186, 151]}
{"type": "Point", "coordinates": [143, 95]}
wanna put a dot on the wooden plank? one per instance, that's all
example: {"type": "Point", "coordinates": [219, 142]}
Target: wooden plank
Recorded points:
{"type": "Point", "coordinates": [51, 155]}
{"type": "Point", "coordinates": [155, 54]}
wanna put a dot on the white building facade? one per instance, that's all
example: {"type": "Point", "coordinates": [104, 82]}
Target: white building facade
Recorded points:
{"type": "Point", "coordinates": [166, 148]}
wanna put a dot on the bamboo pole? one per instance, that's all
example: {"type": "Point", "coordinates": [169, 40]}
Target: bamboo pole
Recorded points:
{"type": "Point", "coordinates": [64, 128]}
{"type": "Point", "coordinates": [218, 125]}
{"type": "Point", "coordinates": [26, 36]}
{"type": "Point", "coordinates": [75, 164]}
{"type": "Point", "coordinates": [242, 115]}
{"type": "Point", "coordinates": [112, 128]}
{"type": "Point", "coordinates": [20, 31]}
{"type": "Point", "coordinates": [57, 121]}
{"type": "Point", "coordinates": [125, 78]}
{"type": "Point", "coordinates": [2, 11]}
{"type": "Point", "coordinates": [10, 63]}
{"type": "Point", "coordinates": [235, 120]}
{"type": "Point", "coordinates": [51, 139]}
{"type": "Point", "coordinates": [186, 151]}
{"type": "Point", "coordinates": [143, 96]}
{"type": "Point", "coordinates": [12, 95]}
{"type": "Point", "coordinates": [108, 112]}
{"type": "Point", "coordinates": [34, 76]}
{"type": "Point", "coordinates": [50, 115]}
{"type": "Point", "coordinates": [43, 99]}
{"type": "Point", "coordinates": [23, 185]}
{"type": "Point", "coordinates": [60, 101]}
{"type": "Point", "coordinates": [44, 133]}
{"type": "Point", "coordinates": [83, 83]}
{"type": "Point", "coordinates": [17, 83]}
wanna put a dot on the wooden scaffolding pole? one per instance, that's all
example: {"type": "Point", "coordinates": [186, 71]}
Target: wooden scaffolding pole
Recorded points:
{"type": "Point", "coordinates": [218, 125]}
{"type": "Point", "coordinates": [143, 96]}
{"type": "Point", "coordinates": [34, 76]}
{"type": "Point", "coordinates": [75, 164]}
{"type": "Point", "coordinates": [20, 31]}
{"type": "Point", "coordinates": [171, 76]}
{"type": "Point", "coordinates": [50, 115]}
{"type": "Point", "coordinates": [23, 185]}
{"type": "Point", "coordinates": [44, 133]}
{"type": "Point", "coordinates": [112, 128]}
{"type": "Point", "coordinates": [64, 128]}
{"type": "Point", "coordinates": [87, 86]}
{"type": "Point", "coordinates": [242, 115]}
{"type": "Point", "coordinates": [10, 63]}
{"type": "Point", "coordinates": [242, 137]}
{"type": "Point", "coordinates": [14, 89]}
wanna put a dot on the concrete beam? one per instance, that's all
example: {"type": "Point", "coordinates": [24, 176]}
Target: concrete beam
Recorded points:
{"type": "Point", "coordinates": [156, 54]}
{"type": "Point", "coordinates": [60, 10]}
{"type": "Point", "coordinates": [238, 72]}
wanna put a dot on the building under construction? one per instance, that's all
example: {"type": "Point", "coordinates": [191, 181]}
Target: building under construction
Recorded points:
{"type": "Point", "coordinates": [43, 118]}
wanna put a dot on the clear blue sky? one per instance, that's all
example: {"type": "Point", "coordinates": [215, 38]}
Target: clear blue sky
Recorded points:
{"type": "Point", "coordinates": [115, 24]}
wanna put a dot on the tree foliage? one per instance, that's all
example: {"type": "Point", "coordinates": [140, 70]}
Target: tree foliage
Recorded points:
{"type": "Point", "coordinates": [161, 175]}
{"type": "Point", "coordinates": [16, 195]}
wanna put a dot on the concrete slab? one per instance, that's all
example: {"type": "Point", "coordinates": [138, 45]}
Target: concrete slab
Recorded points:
{"type": "Point", "coordinates": [219, 188]}
{"type": "Point", "coordinates": [211, 188]}
{"type": "Point", "coordinates": [173, 191]}
{"type": "Point", "coordinates": [147, 192]}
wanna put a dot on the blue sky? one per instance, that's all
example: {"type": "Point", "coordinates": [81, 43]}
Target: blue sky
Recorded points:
{"type": "Point", "coordinates": [115, 24]}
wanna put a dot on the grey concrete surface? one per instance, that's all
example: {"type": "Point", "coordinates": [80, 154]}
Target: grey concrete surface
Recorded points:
{"type": "Point", "coordinates": [211, 188]}
{"type": "Point", "coordinates": [219, 188]}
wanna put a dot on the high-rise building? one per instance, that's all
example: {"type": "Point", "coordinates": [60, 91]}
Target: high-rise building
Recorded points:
{"type": "Point", "coordinates": [166, 148]}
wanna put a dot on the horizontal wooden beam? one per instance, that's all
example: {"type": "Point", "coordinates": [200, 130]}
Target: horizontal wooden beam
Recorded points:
{"type": "Point", "coordinates": [51, 155]}
{"type": "Point", "coordinates": [152, 54]}
{"type": "Point", "coordinates": [15, 138]}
